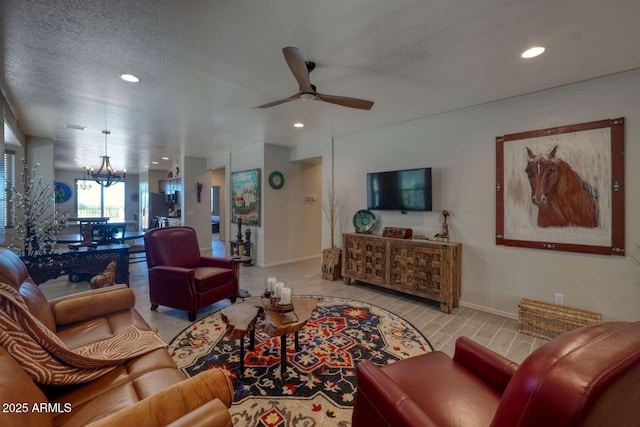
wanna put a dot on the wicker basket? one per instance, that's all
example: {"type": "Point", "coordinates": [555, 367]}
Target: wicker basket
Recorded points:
{"type": "Point", "coordinates": [546, 320]}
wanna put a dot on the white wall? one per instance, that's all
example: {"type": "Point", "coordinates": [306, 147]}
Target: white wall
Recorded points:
{"type": "Point", "coordinates": [289, 231]}
{"type": "Point", "coordinates": [323, 150]}
{"type": "Point", "coordinates": [460, 147]}
{"type": "Point", "coordinates": [197, 215]}
{"type": "Point", "coordinates": [307, 236]}
{"type": "Point", "coordinates": [40, 154]}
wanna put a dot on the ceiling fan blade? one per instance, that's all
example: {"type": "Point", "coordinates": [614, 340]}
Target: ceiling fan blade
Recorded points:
{"type": "Point", "coordinates": [295, 61]}
{"type": "Point", "coordinates": [361, 104]}
{"type": "Point", "coordinates": [280, 101]}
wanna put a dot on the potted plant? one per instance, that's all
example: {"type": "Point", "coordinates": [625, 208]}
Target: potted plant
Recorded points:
{"type": "Point", "coordinates": [36, 226]}
{"type": "Point", "coordinates": [332, 205]}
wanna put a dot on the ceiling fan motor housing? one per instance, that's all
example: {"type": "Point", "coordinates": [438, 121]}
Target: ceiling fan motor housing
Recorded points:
{"type": "Point", "coordinates": [310, 66]}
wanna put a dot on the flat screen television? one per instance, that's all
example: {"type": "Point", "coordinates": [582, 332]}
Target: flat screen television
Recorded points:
{"type": "Point", "coordinates": [401, 190]}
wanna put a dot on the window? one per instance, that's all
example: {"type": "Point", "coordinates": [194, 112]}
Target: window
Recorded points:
{"type": "Point", "coordinates": [94, 200]}
{"type": "Point", "coordinates": [9, 183]}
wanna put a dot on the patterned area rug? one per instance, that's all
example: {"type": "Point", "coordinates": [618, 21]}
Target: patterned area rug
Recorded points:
{"type": "Point", "coordinates": [320, 382]}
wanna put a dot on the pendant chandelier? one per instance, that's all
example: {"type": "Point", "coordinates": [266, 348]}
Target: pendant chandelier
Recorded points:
{"type": "Point", "coordinates": [85, 185]}
{"type": "Point", "coordinates": [106, 175]}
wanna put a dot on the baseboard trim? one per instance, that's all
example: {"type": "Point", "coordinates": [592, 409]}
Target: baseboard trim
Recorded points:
{"type": "Point", "coordinates": [489, 310]}
{"type": "Point", "coordinates": [289, 261]}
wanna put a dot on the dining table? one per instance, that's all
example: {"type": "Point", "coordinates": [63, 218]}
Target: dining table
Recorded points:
{"type": "Point", "coordinates": [119, 237]}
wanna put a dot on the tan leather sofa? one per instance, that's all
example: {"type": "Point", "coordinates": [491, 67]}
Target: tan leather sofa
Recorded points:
{"type": "Point", "coordinates": [146, 391]}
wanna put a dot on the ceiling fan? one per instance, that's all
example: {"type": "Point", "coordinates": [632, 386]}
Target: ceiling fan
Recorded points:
{"type": "Point", "coordinates": [301, 69]}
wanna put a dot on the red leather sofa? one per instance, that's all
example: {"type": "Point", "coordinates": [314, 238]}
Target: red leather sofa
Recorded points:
{"type": "Point", "coordinates": [180, 278]}
{"type": "Point", "coordinates": [587, 377]}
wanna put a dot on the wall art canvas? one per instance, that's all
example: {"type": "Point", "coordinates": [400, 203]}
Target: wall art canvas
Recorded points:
{"type": "Point", "coordinates": [245, 196]}
{"type": "Point", "coordinates": [562, 188]}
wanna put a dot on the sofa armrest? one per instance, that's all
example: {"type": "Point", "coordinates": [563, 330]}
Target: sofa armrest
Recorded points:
{"type": "Point", "coordinates": [489, 366]}
{"type": "Point", "coordinates": [380, 402]}
{"type": "Point", "coordinates": [209, 261]}
{"type": "Point", "coordinates": [86, 305]}
{"type": "Point", "coordinates": [211, 414]}
{"type": "Point", "coordinates": [174, 403]}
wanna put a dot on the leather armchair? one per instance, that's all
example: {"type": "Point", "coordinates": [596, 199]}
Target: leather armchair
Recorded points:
{"type": "Point", "coordinates": [179, 277]}
{"type": "Point", "coordinates": [587, 377]}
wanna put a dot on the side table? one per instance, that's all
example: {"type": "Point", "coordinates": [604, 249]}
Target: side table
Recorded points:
{"type": "Point", "coordinates": [237, 260]}
{"type": "Point", "coordinates": [279, 325]}
{"type": "Point", "coordinates": [241, 318]}
{"type": "Point", "coordinates": [239, 249]}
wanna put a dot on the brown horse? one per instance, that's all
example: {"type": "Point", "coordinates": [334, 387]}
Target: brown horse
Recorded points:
{"type": "Point", "coordinates": [562, 197]}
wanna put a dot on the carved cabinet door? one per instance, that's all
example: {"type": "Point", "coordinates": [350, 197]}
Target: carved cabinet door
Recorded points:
{"type": "Point", "coordinates": [365, 259]}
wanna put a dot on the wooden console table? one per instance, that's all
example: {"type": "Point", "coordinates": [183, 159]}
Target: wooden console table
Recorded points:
{"type": "Point", "coordinates": [84, 260]}
{"type": "Point", "coordinates": [424, 268]}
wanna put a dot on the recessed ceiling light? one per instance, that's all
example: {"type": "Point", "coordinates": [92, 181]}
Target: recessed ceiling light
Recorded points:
{"type": "Point", "coordinates": [76, 127]}
{"type": "Point", "coordinates": [154, 163]}
{"type": "Point", "coordinates": [129, 78]}
{"type": "Point", "coordinates": [146, 166]}
{"type": "Point", "coordinates": [533, 52]}
{"type": "Point", "coordinates": [165, 158]}
{"type": "Point", "coordinates": [298, 125]}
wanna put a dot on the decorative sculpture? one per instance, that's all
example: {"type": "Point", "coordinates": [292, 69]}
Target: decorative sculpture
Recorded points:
{"type": "Point", "coordinates": [199, 187]}
{"type": "Point", "coordinates": [239, 235]}
{"type": "Point", "coordinates": [444, 235]}
{"type": "Point", "coordinates": [247, 246]}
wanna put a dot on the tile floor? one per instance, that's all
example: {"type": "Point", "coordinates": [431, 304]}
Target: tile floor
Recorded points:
{"type": "Point", "coordinates": [495, 332]}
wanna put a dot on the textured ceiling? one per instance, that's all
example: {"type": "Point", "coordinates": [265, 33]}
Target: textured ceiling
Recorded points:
{"type": "Point", "coordinates": [204, 65]}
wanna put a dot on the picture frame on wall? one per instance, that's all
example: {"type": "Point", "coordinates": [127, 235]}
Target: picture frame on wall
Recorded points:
{"type": "Point", "coordinates": [246, 196]}
{"type": "Point", "coordinates": [562, 188]}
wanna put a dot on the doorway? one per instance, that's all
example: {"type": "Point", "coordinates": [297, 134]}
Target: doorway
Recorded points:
{"type": "Point", "coordinates": [218, 212]}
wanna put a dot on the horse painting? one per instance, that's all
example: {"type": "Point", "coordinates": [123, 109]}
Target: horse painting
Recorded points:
{"type": "Point", "coordinates": [563, 198]}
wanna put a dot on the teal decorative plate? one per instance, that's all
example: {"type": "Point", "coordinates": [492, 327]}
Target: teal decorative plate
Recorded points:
{"type": "Point", "coordinates": [276, 180]}
{"type": "Point", "coordinates": [62, 192]}
{"type": "Point", "coordinates": [364, 221]}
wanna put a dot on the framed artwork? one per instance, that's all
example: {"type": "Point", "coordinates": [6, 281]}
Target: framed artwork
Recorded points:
{"type": "Point", "coordinates": [245, 196]}
{"type": "Point", "coordinates": [62, 192]}
{"type": "Point", "coordinates": [562, 189]}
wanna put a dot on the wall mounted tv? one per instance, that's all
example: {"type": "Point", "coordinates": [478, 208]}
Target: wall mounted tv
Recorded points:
{"type": "Point", "coordinates": [401, 190]}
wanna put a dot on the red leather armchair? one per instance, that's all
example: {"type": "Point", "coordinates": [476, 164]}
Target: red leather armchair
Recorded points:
{"type": "Point", "coordinates": [179, 277]}
{"type": "Point", "coordinates": [587, 377]}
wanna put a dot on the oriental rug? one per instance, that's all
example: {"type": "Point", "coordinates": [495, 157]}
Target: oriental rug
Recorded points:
{"type": "Point", "coordinates": [320, 383]}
